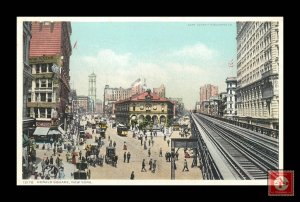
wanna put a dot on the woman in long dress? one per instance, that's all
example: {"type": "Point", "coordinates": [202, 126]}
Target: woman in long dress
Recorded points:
{"type": "Point", "coordinates": [74, 158]}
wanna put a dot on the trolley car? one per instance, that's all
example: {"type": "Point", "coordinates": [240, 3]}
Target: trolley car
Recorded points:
{"type": "Point", "coordinates": [122, 130]}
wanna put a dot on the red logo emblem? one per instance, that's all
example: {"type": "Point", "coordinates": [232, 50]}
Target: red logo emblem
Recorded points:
{"type": "Point", "coordinates": [281, 183]}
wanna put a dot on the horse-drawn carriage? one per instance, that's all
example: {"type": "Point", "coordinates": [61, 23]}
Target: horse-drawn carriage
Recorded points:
{"type": "Point", "coordinates": [110, 155]}
{"type": "Point", "coordinates": [82, 171]}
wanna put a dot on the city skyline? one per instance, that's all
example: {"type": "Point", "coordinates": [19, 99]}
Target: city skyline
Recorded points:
{"type": "Point", "coordinates": [181, 55]}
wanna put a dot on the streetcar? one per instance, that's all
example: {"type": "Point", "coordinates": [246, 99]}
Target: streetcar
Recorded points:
{"type": "Point", "coordinates": [122, 130]}
{"type": "Point", "coordinates": [103, 125]}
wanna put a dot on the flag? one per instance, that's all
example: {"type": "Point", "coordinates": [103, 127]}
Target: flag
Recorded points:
{"type": "Point", "coordinates": [75, 45]}
{"type": "Point", "coordinates": [230, 64]}
{"type": "Point", "coordinates": [137, 82]}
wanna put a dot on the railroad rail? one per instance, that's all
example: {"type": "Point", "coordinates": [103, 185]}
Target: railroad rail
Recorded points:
{"type": "Point", "coordinates": [248, 155]}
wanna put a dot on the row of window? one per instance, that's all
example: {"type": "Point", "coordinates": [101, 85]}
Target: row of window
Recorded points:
{"type": "Point", "coordinates": [229, 85]}
{"type": "Point", "coordinates": [255, 31]}
{"type": "Point", "coordinates": [43, 83]}
{"type": "Point", "coordinates": [255, 74]}
{"type": "Point", "coordinates": [41, 97]}
{"type": "Point", "coordinates": [256, 109]}
{"type": "Point", "coordinates": [42, 68]}
{"type": "Point", "coordinates": [40, 112]}
{"type": "Point", "coordinates": [230, 98]}
{"type": "Point", "coordinates": [230, 106]}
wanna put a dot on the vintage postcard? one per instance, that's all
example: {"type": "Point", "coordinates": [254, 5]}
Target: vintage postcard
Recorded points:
{"type": "Point", "coordinates": [150, 100]}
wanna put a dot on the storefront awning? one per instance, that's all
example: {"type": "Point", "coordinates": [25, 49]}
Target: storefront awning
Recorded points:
{"type": "Point", "coordinates": [41, 131]}
{"type": "Point", "coordinates": [54, 132]}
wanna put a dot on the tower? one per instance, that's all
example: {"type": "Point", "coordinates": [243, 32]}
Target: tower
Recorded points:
{"type": "Point", "coordinates": [92, 91]}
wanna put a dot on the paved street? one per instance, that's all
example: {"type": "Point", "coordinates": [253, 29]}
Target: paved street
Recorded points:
{"type": "Point", "coordinates": [138, 153]}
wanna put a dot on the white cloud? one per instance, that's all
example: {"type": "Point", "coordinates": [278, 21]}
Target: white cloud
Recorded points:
{"type": "Point", "coordinates": [196, 51]}
{"type": "Point", "coordinates": [108, 59]}
{"type": "Point", "coordinates": [182, 79]}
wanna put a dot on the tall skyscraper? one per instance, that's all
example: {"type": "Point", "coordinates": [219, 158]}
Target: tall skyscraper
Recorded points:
{"type": "Point", "coordinates": [208, 91]}
{"type": "Point", "coordinates": [92, 90]}
{"type": "Point", "coordinates": [257, 73]}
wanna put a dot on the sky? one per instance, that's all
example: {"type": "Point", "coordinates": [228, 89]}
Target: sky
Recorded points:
{"type": "Point", "coordinates": [181, 55]}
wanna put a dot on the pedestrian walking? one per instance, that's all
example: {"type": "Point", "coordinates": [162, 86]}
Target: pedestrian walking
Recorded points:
{"type": "Point", "coordinates": [145, 145]}
{"type": "Point", "coordinates": [51, 160]}
{"type": "Point", "coordinates": [141, 137]}
{"type": "Point", "coordinates": [43, 164]}
{"type": "Point", "coordinates": [51, 141]}
{"type": "Point", "coordinates": [116, 161]}
{"type": "Point", "coordinates": [154, 166]}
{"type": "Point", "coordinates": [149, 142]}
{"type": "Point", "coordinates": [150, 164]}
{"type": "Point", "coordinates": [149, 152]}
{"type": "Point", "coordinates": [125, 156]}
{"type": "Point", "coordinates": [115, 144]}
{"type": "Point", "coordinates": [47, 161]}
{"type": "Point", "coordinates": [128, 156]}
{"type": "Point", "coordinates": [165, 137]}
{"type": "Point", "coordinates": [143, 166]}
{"type": "Point", "coordinates": [160, 152]}
{"type": "Point", "coordinates": [168, 142]}
{"type": "Point", "coordinates": [80, 153]}
{"type": "Point", "coordinates": [132, 175]}
{"type": "Point", "coordinates": [194, 161]}
{"type": "Point", "coordinates": [185, 166]}
{"type": "Point", "coordinates": [54, 151]}
{"type": "Point", "coordinates": [57, 161]}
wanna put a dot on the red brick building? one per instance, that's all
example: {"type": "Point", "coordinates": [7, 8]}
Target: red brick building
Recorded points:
{"type": "Point", "coordinates": [206, 92]}
{"type": "Point", "coordinates": [49, 58]}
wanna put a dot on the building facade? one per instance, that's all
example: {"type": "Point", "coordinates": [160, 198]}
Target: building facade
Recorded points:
{"type": "Point", "coordinates": [83, 104]}
{"type": "Point", "coordinates": [230, 108]}
{"type": "Point", "coordinates": [99, 107]}
{"type": "Point", "coordinates": [28, 123]}
{"type": "Point", "coordinates": [73, 101]}
{"type": "Point", "coordinates": [257, 73]}
{"type": "Point", "coordinates": [197, 107]}
{"type": "Point", "coordinates": [137, 87]}
{"type": "Point", "coordinates": [27, 75]}
{"type": "Point", "coordinates": [160, 91]}
{"type": "Point", "coordinates": [50, 51]}
{"type": "Point", "coordinates": [206, 92]}
{"type": "Point", "coordinates": [147, 106]}
{"type": "Point", "coordinates": [92, 89]}
{"type": "Point", "coordinates": [178, 106]}
{"type": "Point", "coordinates": [111, 95]}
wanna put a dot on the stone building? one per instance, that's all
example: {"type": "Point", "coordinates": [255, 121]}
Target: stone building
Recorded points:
{"type": "Point", "coordinates": [257, 73]}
